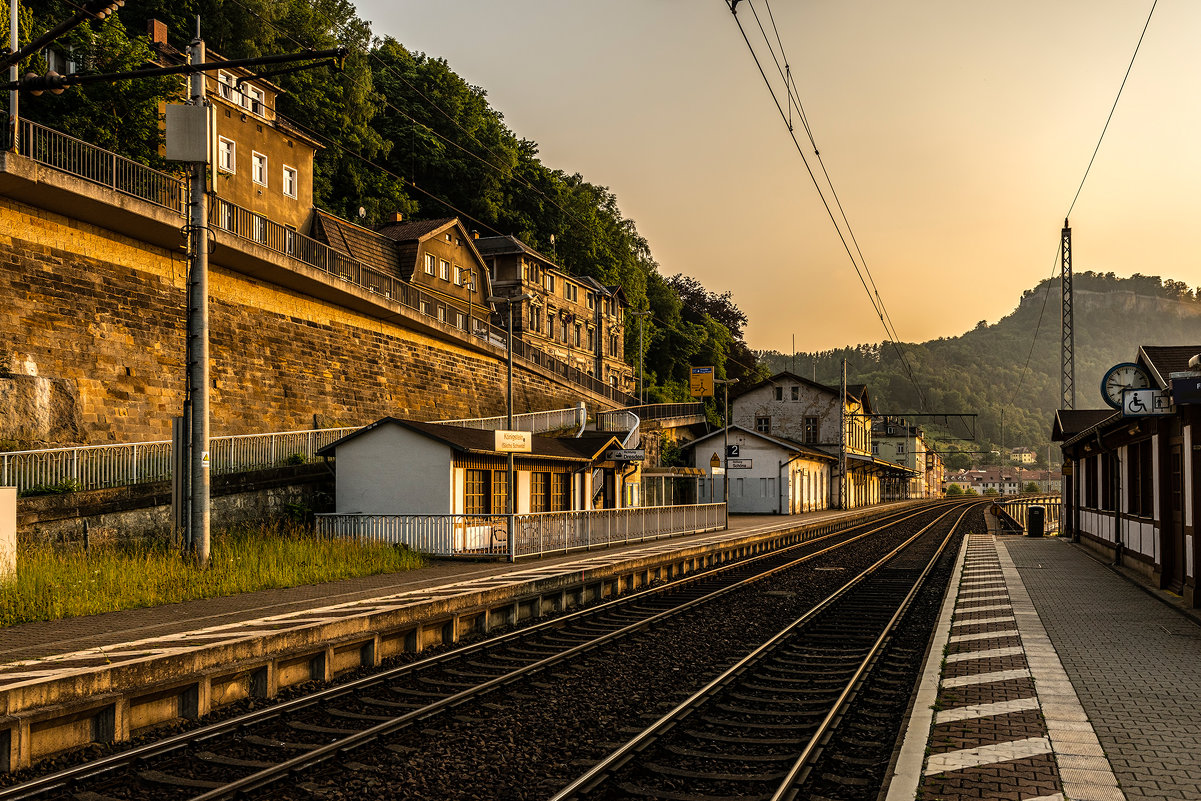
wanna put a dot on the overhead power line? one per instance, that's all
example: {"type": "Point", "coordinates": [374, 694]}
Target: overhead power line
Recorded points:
{"type": "Point", "coordinates": [792, 100]}
{"type": "Point", "coordinates": [1072, 205]}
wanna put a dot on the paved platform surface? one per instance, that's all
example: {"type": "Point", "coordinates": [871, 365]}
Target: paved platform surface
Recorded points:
{"type": "Point", "coordinates": [76, 640]}
{"type": "Point", "coordinates": [1054, 677]}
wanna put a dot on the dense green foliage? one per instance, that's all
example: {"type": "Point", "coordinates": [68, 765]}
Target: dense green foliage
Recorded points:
{"type": "Point", "coordinates": [983, 371]}
{"type": "Point", "coordinates": [403, 133]}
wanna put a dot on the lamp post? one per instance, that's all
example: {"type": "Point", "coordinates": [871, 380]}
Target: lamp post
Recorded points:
{"type": "Point", "coordinates": [725, 458]}
{"type": "Point", "coordinates": [641, 357]}
{"type": "Point", "coordinates": [510, 509]}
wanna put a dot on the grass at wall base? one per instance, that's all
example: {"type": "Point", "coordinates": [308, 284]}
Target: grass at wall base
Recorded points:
{"type": "Point", "coordinates": [53, 582]}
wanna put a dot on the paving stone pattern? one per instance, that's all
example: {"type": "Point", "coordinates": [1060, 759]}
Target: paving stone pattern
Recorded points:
{"type": "Point", "coordinates": [988, 740]}
{"type": "Point", "coordinates": [1134, 662]}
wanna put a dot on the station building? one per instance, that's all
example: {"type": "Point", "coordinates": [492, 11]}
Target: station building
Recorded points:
{"type": "Point", "coordinates": [1129, 490]}
{"type": "Point", "coordinates": [405, 467]}
{"type": "Point", "coordinates": [770, 475]}
{"type": "Point", "coordinates": [796, 410]}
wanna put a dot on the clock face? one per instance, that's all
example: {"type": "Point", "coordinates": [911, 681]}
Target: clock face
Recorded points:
{"type": "Point", "coordinates": [1122, 377]}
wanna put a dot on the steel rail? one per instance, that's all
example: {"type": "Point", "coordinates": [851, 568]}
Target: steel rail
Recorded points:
{"type": "Point", "coordinates": [812, 748]}
{"type": "Point", "coordinates": [97, 767]}
{"type": "Point", "coordinates": [319, 755]}
{"type": "Point", "coordinates": [618, 758]}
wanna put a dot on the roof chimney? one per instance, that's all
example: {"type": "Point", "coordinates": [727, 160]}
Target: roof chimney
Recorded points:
{"type": "Point", "coordinates": [157, 30]}
{"type": "Point", "coordinates": [397, 217]}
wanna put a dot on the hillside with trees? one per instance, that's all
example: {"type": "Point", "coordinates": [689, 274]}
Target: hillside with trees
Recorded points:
{"type": "Point", "coordinates": [402, 133]}
{"type": "Point", "coordinates": [983, 371]}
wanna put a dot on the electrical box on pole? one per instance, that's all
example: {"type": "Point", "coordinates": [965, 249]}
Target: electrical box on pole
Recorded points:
{"type": "Point", "coordinates": [190, 132]}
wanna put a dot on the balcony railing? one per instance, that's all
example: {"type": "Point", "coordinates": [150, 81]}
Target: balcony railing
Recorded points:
{"type": "Point", "coordinates": [537, 534]}
{"type": "Point", "coordinates": [664, 411]}
{"type": "Point", "coordinates": [100, 166]}
{"type": "Point", "coordinates": [102, 466]}
{"type": "Point", "coordinates": [106, 168]}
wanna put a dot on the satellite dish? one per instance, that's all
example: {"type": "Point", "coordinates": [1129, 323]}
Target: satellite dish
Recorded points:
{"type": "Point", "coordinates": [362, 212]}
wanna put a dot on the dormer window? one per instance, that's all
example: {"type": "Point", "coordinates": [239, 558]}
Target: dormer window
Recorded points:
{"type": "Point", "coordinates": [225, 84]}
{"type": "Point", "coordinates": [252, 99]}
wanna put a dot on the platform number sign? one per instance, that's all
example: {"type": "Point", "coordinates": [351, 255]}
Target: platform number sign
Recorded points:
{"type": "Point", "coordinates": [732, 451]}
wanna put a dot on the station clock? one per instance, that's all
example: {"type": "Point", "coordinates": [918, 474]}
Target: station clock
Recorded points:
{"type": "Point", "coordinates": [1120, 378]}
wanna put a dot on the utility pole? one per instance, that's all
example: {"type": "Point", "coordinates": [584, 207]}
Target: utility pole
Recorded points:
{"type": "Point", "coordinates": [510, 502]}
{"type": "Point", "coordinates": [843, 492]}
{"type": "Point", "coordinates": [725, 459]}
{"type": "Point", "coordinates": [198, 331]}
{"type": "Point", "coordinates": [13, 8]}
{"type": "Point", "coordinates": [641, 352]}
{"type": "Point", "coordinates": [1067, 350]}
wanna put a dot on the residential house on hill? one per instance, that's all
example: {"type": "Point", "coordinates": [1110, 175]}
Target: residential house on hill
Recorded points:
{"type": "Point", "coordinates": [439, 258]}
{"type": "Point", "coordinates": [577, 319]}
{"type": "Point", "coordinates": [263, 165]}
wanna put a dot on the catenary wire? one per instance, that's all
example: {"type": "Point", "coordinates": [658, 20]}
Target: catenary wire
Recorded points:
{"type": "Point", "coordinates": [1050, 282]}
{"type": "Point", "coordinates": [873, 298]}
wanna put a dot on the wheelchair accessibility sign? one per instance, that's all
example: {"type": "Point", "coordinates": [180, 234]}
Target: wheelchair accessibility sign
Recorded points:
{"type": "Point", "coordinates": [1145, 403]}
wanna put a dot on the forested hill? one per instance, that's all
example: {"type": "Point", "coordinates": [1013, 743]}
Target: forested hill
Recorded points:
{"type": "Point", "coordinates": [401, 132]}
{"type": "Point", "coordinates": [981, 371]}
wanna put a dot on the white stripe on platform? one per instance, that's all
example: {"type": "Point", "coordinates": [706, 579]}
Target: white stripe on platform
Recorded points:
{"type": "Point", "coordinates": [990, 653]}
{"type": "Point", "coordinates": [990, 608]}
{"type": "Point", "coordinates": [984, 635]}
{"type": "Point", "coordinates": [1052, 797]}
{"type": "Point", "coordinates": [986, 678]}
{"type": "Point", "coordinates": [983, 621]}
{"type": "Point", "coordinates": [987, 755]}
{"type": "Point", "coordinates": [983, 595]}
{"type": "Point", "coordinates": [986, 710]}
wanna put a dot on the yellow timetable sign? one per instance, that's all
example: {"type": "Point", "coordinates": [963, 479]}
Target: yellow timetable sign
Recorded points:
{"type": "Point", "coordinates": [700, 384]}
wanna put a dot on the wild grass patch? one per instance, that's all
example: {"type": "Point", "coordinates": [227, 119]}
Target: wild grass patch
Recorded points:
{"type": "Point", "coordinates": [55, 582]}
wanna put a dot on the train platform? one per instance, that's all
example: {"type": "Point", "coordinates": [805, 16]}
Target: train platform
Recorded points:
{"type": "Point", "coordinates": [1053, 677]}
{"type": "Point", "coordinates": [105, 677]}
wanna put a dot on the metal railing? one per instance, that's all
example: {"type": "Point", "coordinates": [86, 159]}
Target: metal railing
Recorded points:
{"type": "Point", "coordinates": [52, 148]}
{"type": "Point", "coordinates": [620, 420]}
{"type": "Point", "coordinates": [253, 227]}
{"type": "Point", "coordinates": [537, 534]}
{"type": "Point", "coordinates": [103, 466]}
{"type": "Point", "coordinates": [100, 166]}
{"type": "Point", "coordinates": [536, 422]}
{"type": "Point", "coordinates": [662, 411]}
{"type": "Point", "coordinates": [437, 535]}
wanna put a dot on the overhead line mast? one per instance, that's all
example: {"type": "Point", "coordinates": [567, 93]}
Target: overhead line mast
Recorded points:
{"type": "Point", "coordinates": [1067, 351]}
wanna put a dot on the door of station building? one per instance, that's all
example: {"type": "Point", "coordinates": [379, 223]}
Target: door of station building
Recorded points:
{"type": "Point", "coordinates": [1173, 551]}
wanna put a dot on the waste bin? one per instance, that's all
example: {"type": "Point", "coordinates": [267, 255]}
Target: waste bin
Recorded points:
{"type": "Point", "coordinates": [1036, 517]}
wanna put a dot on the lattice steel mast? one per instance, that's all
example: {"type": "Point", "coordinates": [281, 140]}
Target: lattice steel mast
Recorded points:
{"type": "Point", "coordinates": [1067, 353]}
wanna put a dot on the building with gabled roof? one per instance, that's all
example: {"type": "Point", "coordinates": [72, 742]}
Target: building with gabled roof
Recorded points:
{"type": "Point", "coordinates": [1130, 491]}
{"type": "Point", "coordinates": [769, 476]}
{"type": "Point", "coordinates": [405, 467]}
{"type": "Point", "coordinates": [576, 318]}
{"type": "Point", "coordinates": [794, 408]}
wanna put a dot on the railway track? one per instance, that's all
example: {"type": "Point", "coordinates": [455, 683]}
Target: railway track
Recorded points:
{"type": "Point", "coordinates": [759, 729]}
{"type": "Point", "coordinates": [318, 736]}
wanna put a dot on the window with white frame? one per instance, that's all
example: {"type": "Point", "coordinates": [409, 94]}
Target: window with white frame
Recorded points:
{"type": "Point", "coordinates": [444, 269]}
{"type": "Point", "coordinates": [430, 263]}
{"type": "Point", "coordinates": [258, 168]}
{"type": "Point", "coordinates": [258, 228]}
{"type": "Point", "coordinates": [227, 154]}
{"type": "Point", "coordinates": [225, 85]}
{"type": "Point", "coordinates": [252, 99]}
{"type": "Point", "coordinates": [550, 283]}
{"type": "Point", "coordinates": [289, 181]}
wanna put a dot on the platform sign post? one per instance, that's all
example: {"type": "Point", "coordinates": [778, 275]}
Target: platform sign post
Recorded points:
{"type": "Point", "coordinates": [700, 383]}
